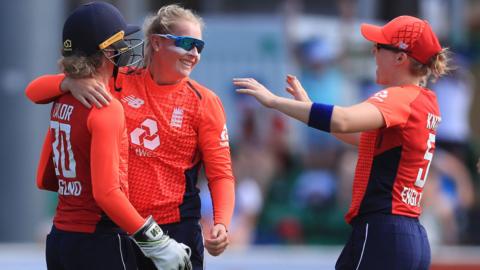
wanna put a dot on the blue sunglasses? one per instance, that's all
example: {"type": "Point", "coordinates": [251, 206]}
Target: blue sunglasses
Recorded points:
{"type": "Point", "coordinates": [184, 42]}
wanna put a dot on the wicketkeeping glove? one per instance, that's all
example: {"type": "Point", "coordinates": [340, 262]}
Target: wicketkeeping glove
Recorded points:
{"type": "Point", "coordinates": [166, 253]}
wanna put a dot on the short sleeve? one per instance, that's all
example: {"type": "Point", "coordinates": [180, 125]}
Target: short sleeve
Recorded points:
{"type": "Point", "coordinates": [394, 104]}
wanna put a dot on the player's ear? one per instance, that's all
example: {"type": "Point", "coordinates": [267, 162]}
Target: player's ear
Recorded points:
{"type": "Point", "coordinates": [155, 42]}
{"type": "Point", "coordinates": [401, 57]}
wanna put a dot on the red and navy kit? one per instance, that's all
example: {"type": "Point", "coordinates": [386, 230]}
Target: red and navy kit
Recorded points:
{"type": "Point", "coordinates": [390, 175]}
{"type": "Point", "coordinates": [84, 159]}
{"type": "Point", "coordinates": [173, 130]}
{"type": "Point", "coordinates": [394, 161]}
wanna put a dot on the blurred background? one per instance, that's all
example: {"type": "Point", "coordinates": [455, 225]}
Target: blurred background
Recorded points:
{"type": "Point", "coordinates": [293, 183]}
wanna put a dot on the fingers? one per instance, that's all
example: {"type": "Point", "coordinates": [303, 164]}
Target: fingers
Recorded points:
{"type": "Point", "coordinates": [245, 91]}
{"type": "Point", "coordinates": [293, 82]}
{"type": "Point", "coordinates": [93, 100]}
{"type": "Point", "coordinates": [215, 247]}
{"type": "Point", "coordinates": [245, 82]}
{"type": "Point", "coordinates": [83, 101]}
{"type": "Point", "coordinates": [88, 91]}
{"type": "Point", "coordinates": [101, 93]}
{"type": "Point", "coordinates": [219, 241]}
{"type": "Point", "coordinates": [290, 90]}
{"type": "Point", "coordinates": [249, 80]}
{"type": "Point", "coordinates": [290, 79]}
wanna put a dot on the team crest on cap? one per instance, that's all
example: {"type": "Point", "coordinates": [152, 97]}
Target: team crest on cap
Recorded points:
{"type": "Point", "coordinates": [67, 45]}
{"type": "Point", "coordinates": [402, 45]}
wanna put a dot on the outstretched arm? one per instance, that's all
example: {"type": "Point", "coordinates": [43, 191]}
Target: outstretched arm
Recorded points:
{"type": "Point", "coordinates": [336, 119]}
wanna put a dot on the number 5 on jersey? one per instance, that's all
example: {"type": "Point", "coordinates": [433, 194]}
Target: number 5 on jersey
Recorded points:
{"type": "Point", "coordinates": [420, 182]}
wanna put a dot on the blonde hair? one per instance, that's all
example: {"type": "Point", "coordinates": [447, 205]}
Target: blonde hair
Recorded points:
{"type": "Point", "coordinates": [77, 66]}
{"type": "Point", "coordinates": [164, 21]}
{"type": "Point", "coordinates": [437, 66]}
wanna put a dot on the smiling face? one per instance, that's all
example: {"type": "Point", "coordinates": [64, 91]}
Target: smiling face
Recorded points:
{"type": "Point", "coordinates": [172, 63]}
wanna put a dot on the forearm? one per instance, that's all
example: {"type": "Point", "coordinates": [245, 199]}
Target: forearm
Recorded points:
{"type": "Point", "coordinates": [44, 89]}
{"type": "Point", "coordinates": [223, 200]}
{"type": "Point", "coordinates": [116, 205]}
{"type": "Point", "coordinates": [293, 108]}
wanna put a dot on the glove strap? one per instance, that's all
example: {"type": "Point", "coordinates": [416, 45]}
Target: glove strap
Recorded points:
{"type": "Point", "coordinates": [150, 231]}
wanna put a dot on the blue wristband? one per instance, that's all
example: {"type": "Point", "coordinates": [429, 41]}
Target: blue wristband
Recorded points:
{"type": "Point", "coordinates": [320, 116]}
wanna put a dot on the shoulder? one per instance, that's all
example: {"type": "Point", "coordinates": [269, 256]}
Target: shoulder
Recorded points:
{"type": "Point", "coordinates": [113, 113]}
{"type": "Point", "coordinates": [131, 76]}
{"type": "Point", "coordinates": [396, 94]}
{"type": "Point", "coordinates": [200, 90]}
{"type": "Point", "coordinates": [114, 107]}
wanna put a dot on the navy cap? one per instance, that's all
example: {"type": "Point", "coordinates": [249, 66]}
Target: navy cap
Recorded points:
{"type": "Point", "coordinates": [92, 27]}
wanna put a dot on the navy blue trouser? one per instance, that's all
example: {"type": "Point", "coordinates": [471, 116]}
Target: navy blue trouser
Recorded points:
{"type": "Point", "coordinates": [187, 231]}
{"type": "Point", "coordinates": [383, 241]}
{"type": "Point", "coordinates": [106, 248]}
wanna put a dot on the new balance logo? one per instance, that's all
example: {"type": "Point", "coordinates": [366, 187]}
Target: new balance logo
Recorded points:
{"type": "Point", "coordinates": [146, 135]}
{"type": "Point", "coordinates": [177, 118]}
{"type": "Point", "coordinates": [133, 101]}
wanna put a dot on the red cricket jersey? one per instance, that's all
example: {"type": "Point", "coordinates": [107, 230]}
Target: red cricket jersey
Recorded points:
{"type": "Point", "coordinates": [84, 159]}
{"type": "Point", "coordinates": [393, 162]}
{"type": "Point", "coordinates": [173, 130]}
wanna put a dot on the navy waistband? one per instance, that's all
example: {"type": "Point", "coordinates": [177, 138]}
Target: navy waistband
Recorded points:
{"type": "Point", "coordinates": [100, 228]}
{"type": "Point", "coordinates": [381, 218]}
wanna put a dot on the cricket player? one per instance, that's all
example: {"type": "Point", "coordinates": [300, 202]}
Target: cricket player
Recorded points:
{"type": "Point", "coordinates": [84, 159]}
{"type": "Point", "coordinates": [394, 131]}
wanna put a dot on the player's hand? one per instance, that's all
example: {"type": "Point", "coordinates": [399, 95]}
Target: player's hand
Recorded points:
{"type": "Point", "coordinates": [218, 240]}
{"type": "Point", "coordinates": [88, 91]}
{"type": "Point", "coordinates": [296, 89]}
{"type": "Point", "coordinates": [166, 253]}
{"type": "Point", "coordinates": [251, 87]}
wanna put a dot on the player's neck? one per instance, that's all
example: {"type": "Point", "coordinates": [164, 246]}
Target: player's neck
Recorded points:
{"type": "Point", "coordinates": [104, 73]}
{"type": "Point", "coordinates": [103, 76]}
{"type": "Point", "coordinates": [161, 77]}
{"type": "Point", "coordinates": [404, 79]}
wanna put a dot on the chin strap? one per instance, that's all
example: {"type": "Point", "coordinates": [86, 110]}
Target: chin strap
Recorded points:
{"type": "Point", "coordinates": [115, 73]}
